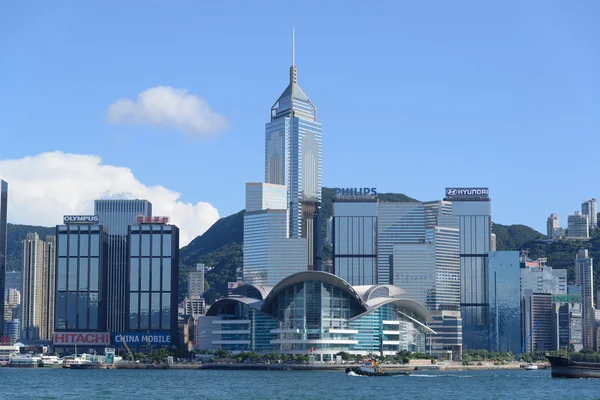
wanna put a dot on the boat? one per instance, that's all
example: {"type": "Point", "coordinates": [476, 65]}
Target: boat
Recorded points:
{"type": "Point", "coordinates": [24, 361]}
{"type": "Point", "coordinates": [564, 367]}
{"type": "Point", "coordinates": [530, 367]}
{"type": "Point", "coordinates": [50, 361]}
{"type": "Point", "coordinates": [69, 361]}
{"type": "Point", "coordinates": [371, 367]}
{"type": "Point", "coordinates": [89, 365]}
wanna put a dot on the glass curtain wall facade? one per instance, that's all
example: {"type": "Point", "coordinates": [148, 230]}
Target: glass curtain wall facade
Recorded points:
{"type": "Point", "coordinates": [3, 244]}
{"type": "Point", "coordinates": [153, 278]}
{"type": "Point", "coordinates": [354, 237]}
{"type": "Point", "coordinates": [32, 299]}
{"type": "Point", "coordinates": [81, 270]}
{"type": "Point", "coordinates": [474, 218]}
{"type": "Point", "coordinates": [505, 305]}
{"type": "Point", "coordinates": [117, 216]}
{"type": "Point", "coordinates": [293, 158]}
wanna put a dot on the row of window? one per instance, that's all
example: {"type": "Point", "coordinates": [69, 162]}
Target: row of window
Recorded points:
{"type": "Point", "coordinates": [78, 244]}
{"type": "Point", "coordinates": [75, 274]}
{"type": "Point", "coordinates": [146, 274]}
{"type": "Point", "coordinates": [150, 310]}
{"type": "Point", "coordinates": [150, 245]}
{"type": "Point", "coordinates": [76, 310]}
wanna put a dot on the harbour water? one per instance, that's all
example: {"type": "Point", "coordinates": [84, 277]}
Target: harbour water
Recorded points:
{"type": "Point", "coordinates": [39, 383]}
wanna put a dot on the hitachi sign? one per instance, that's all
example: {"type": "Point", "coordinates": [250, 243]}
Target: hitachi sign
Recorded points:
{"type": "Point", "coordinates": [86, 338]}
{"type": "Point", "coordinates": [467, 193]}
{"type": "Point", "coordinates": [81, 219]}
{"type": "Point", "coordinates": [353, 192]}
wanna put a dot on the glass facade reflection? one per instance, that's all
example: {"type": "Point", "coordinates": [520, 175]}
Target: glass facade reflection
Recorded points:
{"type": "Point", "coordinates": [3, 243]}
{"type": "Point", "coordinates": [505, 303]}
{"type": "Point", "coordinates": [319, 313]}
{"type": "Point", "coordinates": [152, 279]}
{"type": "Point", "coordinates": [81, 268]}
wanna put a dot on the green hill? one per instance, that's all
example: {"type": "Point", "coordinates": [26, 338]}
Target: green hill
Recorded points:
{"type": "Point", "coordinates": [512, 237]}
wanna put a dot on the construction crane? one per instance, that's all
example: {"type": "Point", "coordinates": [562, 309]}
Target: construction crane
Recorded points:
{"type": "Point", "coordinates": [127, 347]}
{"type": "Point", "coordinates": [527, 341]}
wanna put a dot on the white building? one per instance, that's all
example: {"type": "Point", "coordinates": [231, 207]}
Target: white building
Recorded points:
{"type": "Point", "coordinates": [584, 277]}
{"type": "Point", "coordinates": [539, 278]}
{"type": "Point", "coordinates": [270, 254]}
{"type": "Point", "coordinates": [552, 225]}
{"type": "Point", "coordinates": [589, 208]}
{"type": "Point", "coordinates": [578, 227]}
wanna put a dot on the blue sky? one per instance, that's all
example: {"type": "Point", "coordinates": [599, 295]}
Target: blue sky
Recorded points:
{"type": "Point", "coordinates": [413, 96]}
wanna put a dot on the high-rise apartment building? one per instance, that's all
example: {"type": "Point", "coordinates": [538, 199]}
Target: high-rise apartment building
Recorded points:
{"type": "Point", "coordinates": [38, 288]}
{"type": "Point", "coordinates": [505, 306]}
{"type": "Point", "coordinates": [81, 270]}
{"type": "Point", "coordinates": [270, 254]}
{"type": "Point", "coordinates": [589, 208]}
{"type": "Point", "coordinates": [552, 225]}
{"type": "Point", "coordinates": [196, 282]}
{"type": "Point", "coordinates": [578, 227]}
{"type": "Point", "coordinates": [473, 208]}
{"type": "Point", "coordinates": [293, 158]}
{"type": "Point", "coordinates": [584, 277]}
{"type": "Point", "coordinates": [3, 241]}
{"type": "Point", "coordinates": [153, 280]}
{"type": "Point", "coordinates": [117, 216]}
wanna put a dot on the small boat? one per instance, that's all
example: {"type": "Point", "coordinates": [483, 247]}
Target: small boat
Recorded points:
{"type": "Point", "coordinates": [371, 367]}
{"type": "Point", "coordinates": [564, 367]}
{"type": "Point", "coordinates": [530, 367]}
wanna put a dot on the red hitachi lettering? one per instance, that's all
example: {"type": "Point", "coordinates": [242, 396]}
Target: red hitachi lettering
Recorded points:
{"type": "Point", "coordinates": [59, 338]}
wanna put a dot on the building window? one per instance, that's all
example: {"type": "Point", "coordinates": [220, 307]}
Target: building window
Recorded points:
{"type": "Point", "coordinates": [166, 277]}
{"type": "Point", "coordinates": [166, 310]}
{"type": "Point", "coordinates": [83, 274]}
{"type": "Point", "coordinates": [83, 309]}
{"type": "Point", "coordinates": [155, 318]}
{"type": "Point", "coordinates": [156, 274]}
{"type": "Point", "coordinates": [133, 310]}
{"type": "Point", "coordinates": [135, 245]}
{"type": "Point", "coordinates": [73, 248]}
{"type": "Point", "coordinates": [94, 244]}
{"type": "Point", "coordinates": [83, 244]}
{"type": "Point", "coordinates": [145, 275]}
{"type": "Point", "coordinates": [146, 245]}
{"type": "Point", "coordinates": [166, 245]}
{"type": "Point", "coordinates": [144, 310]}
{"type": "Point", "coordinates": [134, 275]}
{"type": "Point", "coordinates": [72, 274]}
{"type": "Point", "coordinates": [93, 311]}
{"type": "Point", "coordinates": [156, 244]}
{"type": "Point", "coordinates": [72, 311]}
{"type": "Point", "coordinates": [94, 274]}
{"type": "Point", "coordinates": [61, 281]}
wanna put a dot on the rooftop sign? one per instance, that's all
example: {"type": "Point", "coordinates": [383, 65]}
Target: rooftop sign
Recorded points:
{"type": "Point", "coordinates": [152, 220]}
{"type": "Point", "coordinates": [85, 338]}
{"type": "Point", "coordinates": [354, 192]}
{"type": "Point", "coordinates": [80, 219]}
{"type": "Point", "coordinates": [467, 193]}
{"type": "Point", "coordinates": [566, 298]}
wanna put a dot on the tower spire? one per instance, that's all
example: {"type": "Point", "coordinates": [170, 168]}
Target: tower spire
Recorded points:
{"type": "Point", "coordinates": [293, 70]}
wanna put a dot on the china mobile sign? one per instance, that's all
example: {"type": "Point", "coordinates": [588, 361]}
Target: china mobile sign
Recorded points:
{"type": "Point", "coordinates": [467, 193]}
{"type": "Point", "coordinates": [141, 219]}
{"type": "Point", "coordinates": [143, 339]}
{"type": "Point", "coordinates": [82, 338]}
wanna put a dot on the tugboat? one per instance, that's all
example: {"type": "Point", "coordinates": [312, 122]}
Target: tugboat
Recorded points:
{"type": "Point", "coordinates": [371, 367]}
{"type": "Point", "coordinates": [564, 367]}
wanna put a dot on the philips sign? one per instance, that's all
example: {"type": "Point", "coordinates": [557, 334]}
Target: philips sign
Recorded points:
{"type": "Point", "coordinates": [467, 193]}
{"type": "Point", "coordinates": [81, 219]}
{"type": "Point", "coordinates": [355, 192]}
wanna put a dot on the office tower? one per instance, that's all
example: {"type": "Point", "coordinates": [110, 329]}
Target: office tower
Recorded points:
{"type": "Point", "coordinates": [537, 316]}
{"type": "Point", "coordinates": [397, 223]}
{"type": "Point", "coordinates": [589, 208]}
{"type": "Point", "coordinates": [293, 158]}
{"type": "Point", "coordinates": [81, 269]}
{"type": "Point", "coordinates": [35, 289]}
{"type": "Point", "coordinates": [552, 225]}
{"type": "Point", "coordinates": [505, 307]}
{"type": "Point", "coordinates": [584, 277]}
{"type": "Point", "coordinates": [48, 287]}
{"type": "Point", "coordinates": [354, 234]}
{"type": "Point", "coordinates": [329, 231]}
{"type": "Point", "coordinates": [12, 329]}
{"type": "Point", "coordinates": [196, 282]}
{"type": "Point", "coordinates": [12, 304]}
{"type": "Point", "coordinates": [3, 242]}
{"type": "Point", "coordinates": [117, 216]}
{"type": "Point", "coordinates": [270, 254]}
{"type": "Point", "coordinates": [153, 280]}
{"type": "Point", "coordinates": [473, 208]}
{"type": "Point", "coordinates": [578, 227]}
{"type": "Point", "coordinates": [194, 307]}
{"type": "Point", "coordinates": [568, 319]}
{"type": "Point", "coordinates": [539, 278]}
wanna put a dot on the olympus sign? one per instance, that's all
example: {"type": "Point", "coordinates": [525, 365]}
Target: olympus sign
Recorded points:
{"type": "Point", "coordinates": [466, 193]}
{"type": "Point", "coordinates": [81, 219]}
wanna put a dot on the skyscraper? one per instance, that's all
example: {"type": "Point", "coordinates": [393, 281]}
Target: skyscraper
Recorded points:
{"type": "Point", "coordinates": [473, 208]}
{"type": "Point", "coordinates": [584, 277]}
{"type": "Point", "coordinates": [34, 257]}
{"type": "Point", "coordinates": [589, 208]}
{"type": "Point", "coordinates": [3, 243]}
{"type": "Point", "coordinates": [293, 158]}
{"type": "Point", "coordinates": [578, 226]}
{"type": "Point", "coordinates": [196, 282]}
{"type": "Point", "coordinates": [117, 216]}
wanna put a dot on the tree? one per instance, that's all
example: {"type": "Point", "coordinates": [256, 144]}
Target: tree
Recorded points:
{"type": "Point", "coordinates": [221, 353]}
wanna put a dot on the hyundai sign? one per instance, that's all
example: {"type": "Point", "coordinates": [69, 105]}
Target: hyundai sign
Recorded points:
{"type": "Point", "coordinates": [80, 219]}
{"type": "Point", "coordinates": [467, 193]}
{"type": "Point", "coordinates": [143, 339]}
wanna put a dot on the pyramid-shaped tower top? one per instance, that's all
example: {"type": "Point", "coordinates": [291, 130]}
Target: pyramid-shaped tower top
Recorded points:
{"type": "Point", "coordinates": [293, 102]}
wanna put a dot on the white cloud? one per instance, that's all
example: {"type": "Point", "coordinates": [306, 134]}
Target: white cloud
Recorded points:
{"type": "Point", "coordinates": [171, 108]}
{"type": "Point", "coordinates": [44, 187]}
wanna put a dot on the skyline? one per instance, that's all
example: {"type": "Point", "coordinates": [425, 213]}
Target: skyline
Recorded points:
{"type": "Point", "coordinates": [514, 73]}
